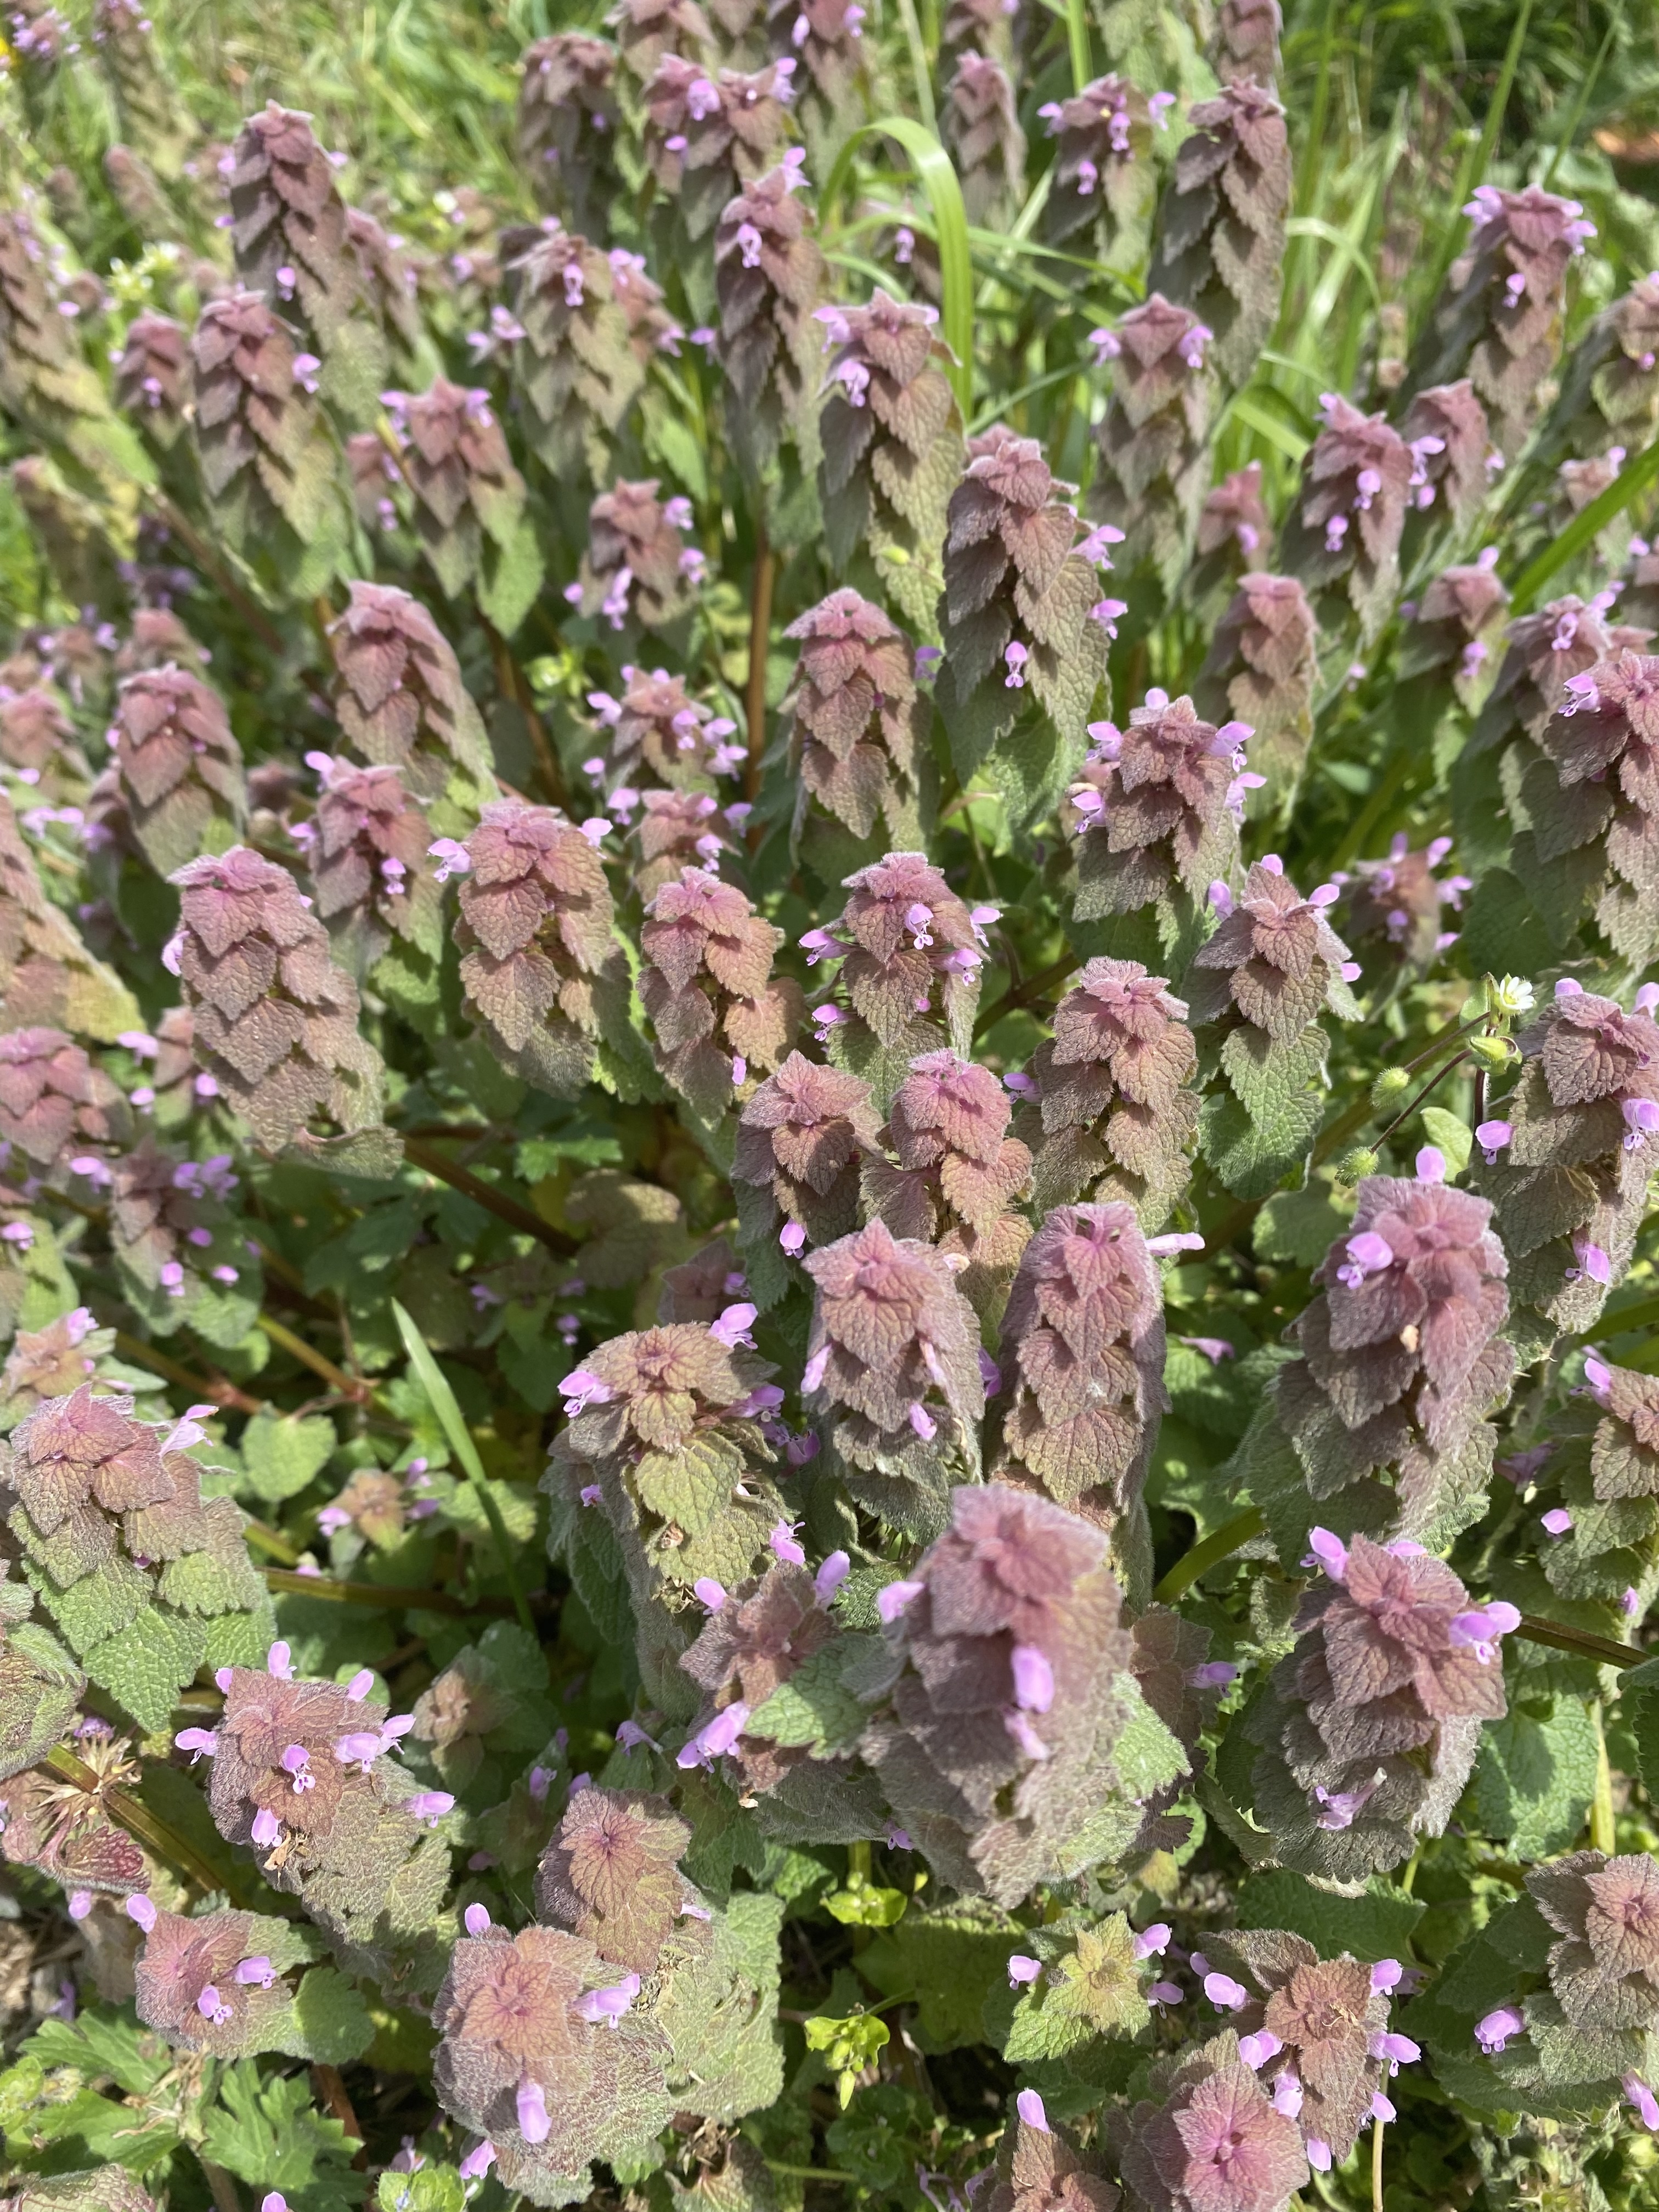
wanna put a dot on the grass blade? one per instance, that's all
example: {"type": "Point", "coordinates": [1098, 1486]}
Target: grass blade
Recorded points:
{"type": "Point", "coordinates": [441, 1399]}
{"type": "Point", "coordinates": [921, 74]}
{"type": "Point", "coordinates": [933, 165]}
{"type": "Point", "coordinates": [1631, 482]}
{"type": "Point", "coordinates": [1473, 168]}
{"type": "Point", "coordinates": [1077, 36]}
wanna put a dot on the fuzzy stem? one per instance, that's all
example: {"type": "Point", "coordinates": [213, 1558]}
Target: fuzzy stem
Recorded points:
{"type": "Point", "coordinates": [147, 1828]}
{"type": "Point", "coordinates": [760, 633]}
{"type": "Point", "coordinates": [1026, 994]}
{"type": "Point", "coordinates": [1377, 2165]}
{"type": "Point", "coordinates": [1603, 1831]}
{"type": "Point", "coordinates": [386, 1596]}
{"type": "Point", "coordinates": [218, 1388]}
{"type": "Point", "coordinates": [297, 1348]}
{"type": "Point", "coordinates": [486, 1195]}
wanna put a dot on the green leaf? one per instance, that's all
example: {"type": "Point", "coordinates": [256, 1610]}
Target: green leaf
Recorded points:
{"type": "Point", "coordinates": [148, 1663]}
{"type": "Point", "coordinates": [1451, 1134]}
{"type": "Point", "coordinates": [1376, 1925]}
{"type": "Point", "coordinates": [331, 2017]}
{"type": "Point", "coordinates": [270, 2135]}
{"type": "Point", "coordinates": [1536, 1775]}
{"type": "Point", "coordinates": [1300, 1226]}
{"type": "Point", "coordinates": [952, 1958]}
{"type": "Point", "coordinates": [284, 1452]}
{"type": "Point", "coordinates": [432, 2188]}
{"type": "Point", "coordinates": [814, 1707]}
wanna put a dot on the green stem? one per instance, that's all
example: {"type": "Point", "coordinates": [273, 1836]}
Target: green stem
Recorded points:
{"type": "Point", "coordinates": [1433, 1084]}
{"type": "Point", "coordinates": [1219, 1544]}
{"type": "Point", "coordinates": [137, 1820]}
{"type": "Point", "coordinates": [1603, 1833]}
{"type": "Point", "coordinates": [382, 1595]}
{"type": "Point", "coordinates": [486, 1195]}
{"type": "Point", "coordinates": [1025, 994]}
{"type": "Point", "coordinates": [441, 1399]}
{"type": "Point", "coordinates": [1571, 131]}
{"type": "Point", "coordinates": [922, 76]}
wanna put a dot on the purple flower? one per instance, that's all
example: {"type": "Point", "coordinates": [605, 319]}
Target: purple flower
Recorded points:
{"type": "Point", "coordinates": [708, 1593]}
{"type": "Point", "coordinates": [1225, 1994]}
{"type": "Point", "coordinates": [475, 1919]}
{"type": "Point", "coordinates": [1639, 2094]}
{"type": "Point", "coordinates": [891, 1601]}
{"type": "Point", "coordinates": [1328, 1551]}
{"type": "Point", "coordinates": [1557, 1522]}
{"type": "Point", "coordinates": [1030, 2107]}
{"type": "Point", "coordinates": [609, 2005]}
{"type": "Point", "coordinates": [1151, 1942]}
{"type": "Point", "coordinates": [830, 1576]}
{"type": "Point", "coordinates": [1034, 1680]}
{"type": "Point", "coordinates": [1023, 1972]}
{"type": "Point", "coordinates": [1256, 2049]}
{"type": "Point", "coordinates": [474, 2167]}
{"type": "Point", "coordinates": [1492, 2033]}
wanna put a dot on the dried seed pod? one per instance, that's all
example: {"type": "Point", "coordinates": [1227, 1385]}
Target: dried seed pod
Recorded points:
{"type": "Point", "coordinates": [1263, 669]}
{"type": "Point", "coordinates": [891, 432]}
{"type": "Point", "coordinates": [981, 131]}
{"type": "Point", "coordinates": [575, 372]}
{"type": "Point", "coordinates": [1341, 537]}
{"type": "Point", "coordinates": [179, 767]}
{"type": "Point", "coordinates": [1102, 179]}
{"type": "Point", "coordinates": [1109, 1108]}
{"type": "Point", "coordinates": [1153, 439]}
{"type": "Point", "coordinates": [859, 726]}
{"type": "Point", "coordinates": [1220, 243]}
{"type": "Point", "coordinates": [568, 121]}
{"type": "Point", "coordinates": [709, 1031]}
{"type": "Point", "coordinates": [275, 1019]}
{"type": "Point", "coordinates": [770, 276]}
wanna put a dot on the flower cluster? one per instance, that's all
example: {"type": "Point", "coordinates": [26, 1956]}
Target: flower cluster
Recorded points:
{"type": "Point", "coordinates": [1274, 965]}
{"type": "Point", "coordinates": [1010, 1690]}
{"type": "Point", "coordinates": [538, 948]}
{"type": "Point", "coordinates": [402, 703]}
{"type": "Point", "coordinates": [208, 1982]}
{"type": "Point", "coordinates": [1611, 388]}
{"type": "Point", "coordinates": [1603, 742]}
{"type": "Point", "coordinates": [1102, 182]}
{"type": "Point", "coordinates": [658, 734]}
{"type": "Point", "coordinates": [637, 565]}
{"type": "Point", "coordinates": [1342, 534]}
{"type": "Point", "coordinates": [1397, 907]}
{"type": "Point", "coordinates": [892, 433]}
{"type": "Point", "coordinates": [1371, 1725]}
{"type": "Point", "coordinates": [677, 830]}
{"type": "Point", "coordinates": [575, 371]}
{"type": "Point", "coordinates": [903, 933]}
{"type": "Point", "coordinates": [1019, 613]}
{"type": "Point", "coordinates": [802, 1140]}
{"type": "Point", "coordinates": [1107, 1108]}
{"type": "Point", "coordinates": [274, 1017]}
{"type": "Point", "coordinates": [1500, 319]}
{"type": "Point", "coordinates": [1208, 2138]}
{"type": "Point", "coordinates": [1153, 809]}
{"type": "Point", "coordinates": [1246, 41]}
{"type": "Point", "coordinates": [1082, 1349]}
{"type": "Point", "coordinates": [152, 377]}
{"type": "Point", "coordinates": [1453, 456]}
{"type": "Point", "coordinates": [108, 1512]}
{"type": "Point", "coordinates": [177, 765]}
{"type": "Point", "coordinates": [1220, 242]}
{"type": "Point", "coordinates": [1570, 1155]}
{"type": "Point", "coordinates": [981, 127]}
{"type": "Point", "coordinates": [1262, 668]}
{"type": "Point", "coordinates": [769, 277]}
{"type": "Point", "coordinates": [59, 1112]}
{"type": "Point", "coordinates": [1153, 439]}
{"type": "Point", "coordinates": [303, 1773]}
{"type": "Point", "coordinates": [958, 1172]}
{"type": "Point", "coordinates": [709, 993]}
{"type": "Point", "coordinates": [859, 720]}
{"type": "Point", "coordinates": [469, 497]}
{"type": "Point", "coordinates": [1604, 1969]}
{"type": "Point", "coordinates": [367, 852]}
{"type": "Point", "coordinates": [825, 39]}
{"type": "Point", "coordinates": [288, 226]}
{"type": "Point", "coordinates": [1401, 1362]}
{"type": "Point", "coordinates": [185, 1257]}
{"type": "Point", "coordinates": [266, 459]}
{"type": "Point", "coordinates": [1601, 1468]}
{"type": "Point", "coordinates": [567, 121]}
{"type": "Point", "coordinates": [708, 133]}
{"type": "Point", "coordinates": [893, 1373]}
{"type": "Point", "coordinates": [48, 978]}
{"type": "Point", "coordinates": [1455, 628]}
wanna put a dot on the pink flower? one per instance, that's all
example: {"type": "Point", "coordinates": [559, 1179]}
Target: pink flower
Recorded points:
{"type": "Point", "coordinates": [1023, 1972]}
{"type": "Point", "coordinates": [1492, 2033]}
{"type": "Point", "coordinates": [1030, 2106]}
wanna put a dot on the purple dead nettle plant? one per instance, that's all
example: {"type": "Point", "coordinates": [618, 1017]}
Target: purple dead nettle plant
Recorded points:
{"type": "Point", "coordinates": [1219, 247]}
{"type": "Point", "coordinates": [1262, 668]}
{"type": "Point", "coordinates": [638, 566]}
{"type": "Point", "coordinates": [893, 1379]}
{"type": "Point", "coordinates": [909, 953]}
{"type": "Point", "coordinates": [1597, 1485]}
{"type": "Point", "coordinates": [1603, 742]}
{"type": "Point", "coordinates": [48, 976]}
{"type": "Point", "coordinates": [770, 278]}
{"type": "Point", "coordinates": [1108, 1107]}
{"type": "Point", "coordinates": [575, 372]}
{"type": "Point", "coordinates": [402, 703]}
{"type": "Point", "coordinates": [186, 1257]}
{"type": "Point", "coordinates": [1587, 1094]}
{"type": "Point", "coordinates": [367, 851]}
{"type": "Point", "coordinates": [1153, 438]}
{"type": "Point", "coordinates": [801, 1141]}
{"type": "Point", "coordinates": [677, 830]}
{"type": "Point", "coordinates": [1453, 457]}
{"type": "Point", "coordinates": [1104, 182]}
{"type": "Point", "coordinates": [959, 1174]}
{"type": "Point", "coordinates": [60, 1114]}
{"type": "Point", "coordinates": [1081, 1389]}
{"type": "Point", "coordinates": [1008, 1689]}
{"type": "Point", "coordinates": [1155, 811]}
{"type": "Point", "coordinates": [1247, 33]}
{"type": "Point", "coordinates": [1456, 629]}
{"type": "Point", "coordinates": [668, 1440]}
{"type": "Point", "coordinates": [860, 722]}
{"type": "Point", "coordinates": [1037, 2170]}
{"type": "Point", "coordinates": [825, 39]}
{"type": "Point", "coordinates": [569, 118]}
{"type": "Point", "coordinates": [468, 496]}
{"type": "Point", "coordinates": [1402, 1364]}
{"type": "Point", "coordinates": [180, 768]}
{"type": "Point", "coordinates": [1208, 2137]}
{"type": "Point", "coordinates": [1399, 912]}
{"type": "Point", "coordinates": [1610, 384]}
{"type": "Point", "coordinates": [656, 734]}
{"type": "Point", "coordinates": [981, 127]}
{"type": "Point", "coordinates": [1315, 2032]}
{"type": "Point", "coordinates": [706, 134]}
{"type": "Point", "coordinates": [1370, 1726]}
{"type": "Point", "coordinates": [1342, 534]}
{"type": "Point", "coordinates": [1500, 319]}
{"type": "Point", "coordinates": [892, 439]}
{"type": "Point", "coordinates": [710, 993]}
